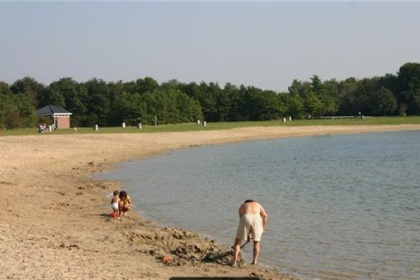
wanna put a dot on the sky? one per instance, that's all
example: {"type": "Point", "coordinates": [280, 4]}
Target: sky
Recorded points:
{"type": "Point", "coordinates": [254, 43]}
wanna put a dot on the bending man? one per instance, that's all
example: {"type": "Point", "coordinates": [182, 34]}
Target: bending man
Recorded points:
{"type": "Point", "coordinates": [252, 221]}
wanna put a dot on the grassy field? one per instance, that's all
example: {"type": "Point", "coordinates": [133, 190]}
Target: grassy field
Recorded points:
{"type": "Point", "coordinates": [218, 126]}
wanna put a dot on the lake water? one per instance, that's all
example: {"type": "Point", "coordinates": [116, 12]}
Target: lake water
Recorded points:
{"type": "Point", "coordinates": [340, 206]}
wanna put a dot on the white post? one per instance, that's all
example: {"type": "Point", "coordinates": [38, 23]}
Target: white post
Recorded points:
{"type": "Point", "coordinates": [139, 126]}
{"type": "Point", "coordinates": [204, 123]}
{"type": "Point", "coordinates": [96, 128]}
{"type": "Point", "coordinates": [198, 121]}
{"type": "Point", "coordinates": [123, 125]}
{"type": "Point", "coordinates": [284, 119]}
{"type": "Point", "coordinates": [290, 118]}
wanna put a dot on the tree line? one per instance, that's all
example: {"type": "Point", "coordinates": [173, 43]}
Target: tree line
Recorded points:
{"type": "Point", "coordinates": [110, 103]}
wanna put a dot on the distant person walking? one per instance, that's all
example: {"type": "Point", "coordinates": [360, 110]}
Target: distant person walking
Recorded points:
{"type": "Point", "coordinates": [252, 221]}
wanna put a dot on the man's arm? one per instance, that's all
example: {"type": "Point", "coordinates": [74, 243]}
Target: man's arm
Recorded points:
{"type": "Point", "coordinates": [264, 217]}
{"type": "Point", "coordinates": [240, 211]}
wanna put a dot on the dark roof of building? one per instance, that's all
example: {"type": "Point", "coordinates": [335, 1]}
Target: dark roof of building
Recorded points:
{"type": "Point", "coordinates": [51, 110]}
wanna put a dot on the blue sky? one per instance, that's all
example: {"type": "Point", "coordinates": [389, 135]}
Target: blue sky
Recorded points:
{"type": "Point", "coordinates": [262, 44]}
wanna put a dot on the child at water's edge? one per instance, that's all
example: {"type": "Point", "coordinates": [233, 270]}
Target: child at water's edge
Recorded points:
{"type": "Point", "coordinates": [115, 201]}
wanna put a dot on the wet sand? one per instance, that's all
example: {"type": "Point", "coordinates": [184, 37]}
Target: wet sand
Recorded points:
{"type": "Point", "coordinates": [55, 221]}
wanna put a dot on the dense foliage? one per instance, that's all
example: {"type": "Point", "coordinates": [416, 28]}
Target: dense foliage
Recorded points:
{"type": "Point", "coordinates": [143, 100]}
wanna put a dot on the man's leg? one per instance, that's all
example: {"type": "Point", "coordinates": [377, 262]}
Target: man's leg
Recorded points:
{"type": "Point", "coordinates": [257, 247]}
{"type": "Point", "coordinates": [236, 249]}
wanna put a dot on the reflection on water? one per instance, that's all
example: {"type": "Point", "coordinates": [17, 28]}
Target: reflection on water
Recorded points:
{"type": "Point", "coordinates": [340, 207]}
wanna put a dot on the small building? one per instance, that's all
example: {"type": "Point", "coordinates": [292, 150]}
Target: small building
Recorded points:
{"type": "Point", "coordinates": [59, 116]}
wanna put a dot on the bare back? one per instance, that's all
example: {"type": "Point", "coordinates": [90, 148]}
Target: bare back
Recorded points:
{"type": "Point", "coordinates": [115, 199]}
{"type": "Point", "coordinates": [253, 207]}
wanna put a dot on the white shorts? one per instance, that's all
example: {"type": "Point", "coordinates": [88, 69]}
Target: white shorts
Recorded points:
{"type": "Point", "coordinates": [250, 224]}
{"type": "Point", "coordinates": [115, 206]}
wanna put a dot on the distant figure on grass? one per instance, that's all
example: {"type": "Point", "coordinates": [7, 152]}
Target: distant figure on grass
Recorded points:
{"type": "Point", "coordinates": [252, 221]}
{"type": "Point", "coordinates": [125, 203]}
{"type": "Point", "coordinates": [115, 202]}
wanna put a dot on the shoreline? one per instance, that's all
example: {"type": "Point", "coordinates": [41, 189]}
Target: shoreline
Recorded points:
{"type": "Point", "coordinates": [56, 223]}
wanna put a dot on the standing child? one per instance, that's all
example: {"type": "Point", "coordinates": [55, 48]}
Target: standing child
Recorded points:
{"type": "Point", "coordinates": [114, 204]}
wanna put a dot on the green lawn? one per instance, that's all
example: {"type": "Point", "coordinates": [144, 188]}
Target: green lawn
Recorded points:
{"type": "Point", "coordinates": [218, 126]}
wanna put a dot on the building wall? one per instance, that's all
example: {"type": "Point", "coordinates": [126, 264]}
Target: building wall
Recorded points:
{"type": "Point", "coordinates": [62, 122]}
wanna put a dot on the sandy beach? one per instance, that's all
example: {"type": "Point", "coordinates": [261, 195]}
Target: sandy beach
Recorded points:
{"type": "Point", "coordinates": [55, 222]}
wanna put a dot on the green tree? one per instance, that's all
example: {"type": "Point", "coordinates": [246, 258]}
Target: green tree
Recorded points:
{"type": "Point", "coordinates": [17, 111]}
{"type": "Point", "coordinates": [4, 93]}
{"type": "Point", "coordinates": [28, 86]}
{"type": "Point", "coordinates": [170, 106]}
{"type": "Point", "coordinates": [415, 104]}
{"type": "Point", "coordinates": [385, 102]}
{"type": "Point", "coordinates": [233, 95]}
{"type": "Point", "coordinates": [409, 77]}
{"type": "Point", "coordinates": [266, 106]}
{"type": "Point", "coordinates": [189, 109]}
{"type": "Point", "coordinates": [317, 85]}
{"type": "Point", "coordinates": [193, 90]}
{"type": "Point", "coordinates": [347, 97]}
{"type": "Point", "coordinates": [126, 107]}
{"type": "Point", "coordinates": [51, 96]}
{"type": "Point", "coordinates": [16, 108]}
{"type": "Point", "coordinates": [147, 84]}
{"type": "Point", "coordinates": [297, 106]}
{"type": "Point", "coordinates": [408, 86]}
{"type": "Point", "coordinates": [330, 97]}
{"type": "Point", "coordinates": [296, 88]}
{"type": "Point", "coordinates": [313, 104]}
{"type": "Point", "coordinates": [10, 114]}
{"type": "Point", "coordinates": [98, 102]}
{"type": "Point", "coordinates": [208, 101]}
{"type": "Point", "coordinates": [4, 89]}
{"type": "Point", "coordinates": [220, 101]}
{"type": "Point", "coordinates": [75, 99]}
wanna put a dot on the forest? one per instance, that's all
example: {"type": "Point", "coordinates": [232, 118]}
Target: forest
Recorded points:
{"type": "Point", "coordinates": [111, 103]}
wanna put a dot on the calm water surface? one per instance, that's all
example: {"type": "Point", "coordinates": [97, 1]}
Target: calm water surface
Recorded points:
{"type": "Point", "coordinates": [340, 207]}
